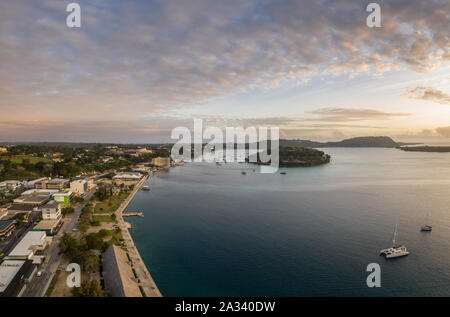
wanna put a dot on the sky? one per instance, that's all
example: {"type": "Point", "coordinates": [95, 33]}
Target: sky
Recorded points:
{"type": "Point", "coordinates": [136, 69]}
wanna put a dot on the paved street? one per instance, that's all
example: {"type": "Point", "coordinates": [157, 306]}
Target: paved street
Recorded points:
{"type": "Point", "coordinates": [39, 285]}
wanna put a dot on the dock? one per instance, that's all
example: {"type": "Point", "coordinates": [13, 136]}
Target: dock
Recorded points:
{"type": "Point", "coordinates": [133, 213]}
{"type": "Point", "coordinates": [144, 280]}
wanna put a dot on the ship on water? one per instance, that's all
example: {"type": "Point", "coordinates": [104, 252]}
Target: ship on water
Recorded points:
{"type": "Point", "coordinates": [146, 188]}
{"type": "Point", "coordinates": [395, 251]}
{"type": "Point", "coordinates": [427, 227]}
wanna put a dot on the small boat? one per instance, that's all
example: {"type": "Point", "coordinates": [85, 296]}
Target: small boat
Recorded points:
{"type": "Point", "coordinates": [426, 228]}
{"type": "Point", "coordinates": [244, 173]}
{"type": "Point", "coordinates": [395, 251]}
{"type": "Point", "coordinates": [283, 173]}
{"type": "Point", "coordinates": [146, 188]}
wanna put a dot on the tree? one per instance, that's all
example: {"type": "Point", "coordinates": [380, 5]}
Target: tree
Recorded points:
{"type": "Point", "coordinates": [68, 210]}
{"type": "Point", "coordinates": [88, 289]}
{"type": "Point", "coordinates": [69, 246]}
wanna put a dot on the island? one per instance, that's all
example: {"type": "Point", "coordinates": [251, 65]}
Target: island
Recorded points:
{"type": "Point", "coordinates": [368, 141]}
{"type": "Point", "coordinates": [426, 148]}
{"type": "Point", "coordinates": [298, 157]}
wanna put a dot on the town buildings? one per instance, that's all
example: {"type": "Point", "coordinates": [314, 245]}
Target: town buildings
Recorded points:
{"type": "Point", "coordinates": [161, 161]}
{"type": "Point", "coordinates": [79, 187]}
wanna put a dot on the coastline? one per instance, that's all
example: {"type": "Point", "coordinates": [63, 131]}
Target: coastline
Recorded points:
{"type": "Point", "coordinates": [146, 281]}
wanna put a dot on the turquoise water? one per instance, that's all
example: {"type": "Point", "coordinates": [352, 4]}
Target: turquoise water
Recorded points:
{"type": "Point", "coordinates": [211, 231]}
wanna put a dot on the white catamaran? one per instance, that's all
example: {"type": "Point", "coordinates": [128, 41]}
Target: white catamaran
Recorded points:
{"type": "Point", "coordinates": [396, 250]}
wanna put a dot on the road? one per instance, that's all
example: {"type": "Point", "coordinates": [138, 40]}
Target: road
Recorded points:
{"type": "Point", "coordinates": [39, 284]}
{"type": "Point", "coordinates": [9, 244]}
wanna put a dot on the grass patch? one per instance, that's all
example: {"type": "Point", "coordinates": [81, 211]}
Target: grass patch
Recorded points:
{"type": "Point", "coordinates": [105, 218]}
{"type": "Point", "coordinates": [33, 160]}
{"type": "Point", "coordinates": [110, 205]}
{"type": "Point", "coordinates": [51, 287]}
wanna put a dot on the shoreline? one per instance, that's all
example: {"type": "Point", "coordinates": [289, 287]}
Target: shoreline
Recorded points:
{"type": "Point", "coordinates": [146, 281]}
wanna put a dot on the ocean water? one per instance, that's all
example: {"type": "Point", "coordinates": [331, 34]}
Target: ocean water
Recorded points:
{"type": "Point", "coordinates": [211, 231]}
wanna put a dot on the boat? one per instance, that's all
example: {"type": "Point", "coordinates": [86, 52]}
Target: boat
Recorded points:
{"type": "Point", "coordinates": [395, 251]}
{"type": "Point", "coordinates": [426, 228]}
{"type": "Point", "coordinates": [283, 173]}
{"type": "Point", "coordinates": [244, 173]}
{"type": "Point", "coordinates": [146, 188]}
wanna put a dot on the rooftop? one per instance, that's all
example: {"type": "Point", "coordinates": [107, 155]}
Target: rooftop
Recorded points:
{"type": "Point", "coordinates": [26, 246]}
{"type": "Point", "coordinates": [8, 270]}
{"type": "Point", "coordinates": [5, 224]}
{"type": "Point", "coordinates": [46, 225]}
{"type": "Point", "coordinates": [32, 199]}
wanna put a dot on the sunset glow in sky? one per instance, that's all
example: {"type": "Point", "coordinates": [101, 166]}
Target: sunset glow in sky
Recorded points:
{"type": "Point", "coordinates": [136, 69]}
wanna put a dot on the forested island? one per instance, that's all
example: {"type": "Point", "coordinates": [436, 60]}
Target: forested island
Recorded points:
{"type": "Point", "coordinates": [369, 141]}
{"type": "Point", "coordinates": [299, 157]}
{"type": "Point", "coordinates": [426, 148]}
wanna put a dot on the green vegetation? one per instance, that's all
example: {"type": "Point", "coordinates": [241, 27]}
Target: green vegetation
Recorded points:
{"type": "Point", "coordinates": [300, 157]}
{"type": "Point", "coordinates": [51, 287]}
{"type": "Point", "coordinates": [436, 149]}
{"type": "Point", "coordinates": [102, 218]}
{"type": "Point", "coordinates": [110, 203]}
{"type": "Point", "coordinates": [19, 159]}
{"type": "Point", "coordinates": [24, 162]}
{"type": "Point", "coordinates": [89, 288]}
{"type": "Point", "coordinates": [68, 210]}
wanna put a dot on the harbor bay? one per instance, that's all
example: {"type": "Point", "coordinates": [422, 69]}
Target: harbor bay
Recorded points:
{"type": "Point", "coordinates": [311, 232]}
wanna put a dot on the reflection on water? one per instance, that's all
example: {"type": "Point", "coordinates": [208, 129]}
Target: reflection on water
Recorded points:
{"type": "Point", "coordinates": [211, 231]}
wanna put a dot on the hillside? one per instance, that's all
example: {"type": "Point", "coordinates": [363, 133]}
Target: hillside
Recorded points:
{"type": "Point", "coordinates": [371, 141]}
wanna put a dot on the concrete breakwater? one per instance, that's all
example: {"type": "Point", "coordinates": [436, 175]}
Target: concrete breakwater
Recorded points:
{"type": "Point", "coordinates": [133, 213]}
{"type": "Point", "coordinates": [143, 278]}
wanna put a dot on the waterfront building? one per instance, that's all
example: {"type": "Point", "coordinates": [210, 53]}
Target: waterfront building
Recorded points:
{"type": "Point", "coordinates": [118, 274]}
{"type": "Point", "coordinates": [161, 161]}
{"type": "Point", "coordinates": [32, 243]}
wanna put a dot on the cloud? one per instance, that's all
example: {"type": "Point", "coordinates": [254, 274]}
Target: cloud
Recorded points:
{"type": "Point", "coordinates": [428, 93]}
{"type": "Point", "coordinates": [352, 114]}
{"type": "Point", "coordinates": [444, 131]}
{"type": "Point", "coordinates": [140, 58]}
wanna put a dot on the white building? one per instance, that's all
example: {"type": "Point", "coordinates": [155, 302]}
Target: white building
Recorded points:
{"type": "Point", "coordinates": [128, 176]}
{"type": "Point", "coordinates": [79, 186]}
{"type": "Point", "coordinates": [51, 211]}
{"type": "Point", "coordinates": [31, 243]}
{"type": "Point", "coordinates": [161, 161]}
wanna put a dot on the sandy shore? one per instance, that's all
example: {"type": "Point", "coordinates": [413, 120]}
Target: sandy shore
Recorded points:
{"type": "Point", "coordinates": [147, 283]}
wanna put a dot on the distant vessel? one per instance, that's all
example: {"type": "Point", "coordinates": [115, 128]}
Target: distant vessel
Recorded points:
{"type": "Point", "coordinates": [147, 188]}
{"type": "Point", "coordinates": [396, 250]}
{"type": "Point", "coordinates": [283, 173]}
{"type": "Point", "coordinates": [244, 173]}
{"type": "Point", "coordinates": [426, 228]}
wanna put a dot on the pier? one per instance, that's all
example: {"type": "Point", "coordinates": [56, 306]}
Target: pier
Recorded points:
{"type": "Point", "coordinates": [144, 280]}
{"type": "Point", "coordinates": [133, 213]}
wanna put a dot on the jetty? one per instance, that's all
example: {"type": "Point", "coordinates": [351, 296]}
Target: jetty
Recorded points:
{"type": "Point", "coordinates": [133, 213]}
{"type": "Point", "coordinates": [143, 279]}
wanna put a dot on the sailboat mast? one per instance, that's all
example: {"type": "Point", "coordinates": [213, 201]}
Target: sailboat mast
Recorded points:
{"type": "Point", "coordinates": [395, 236]}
